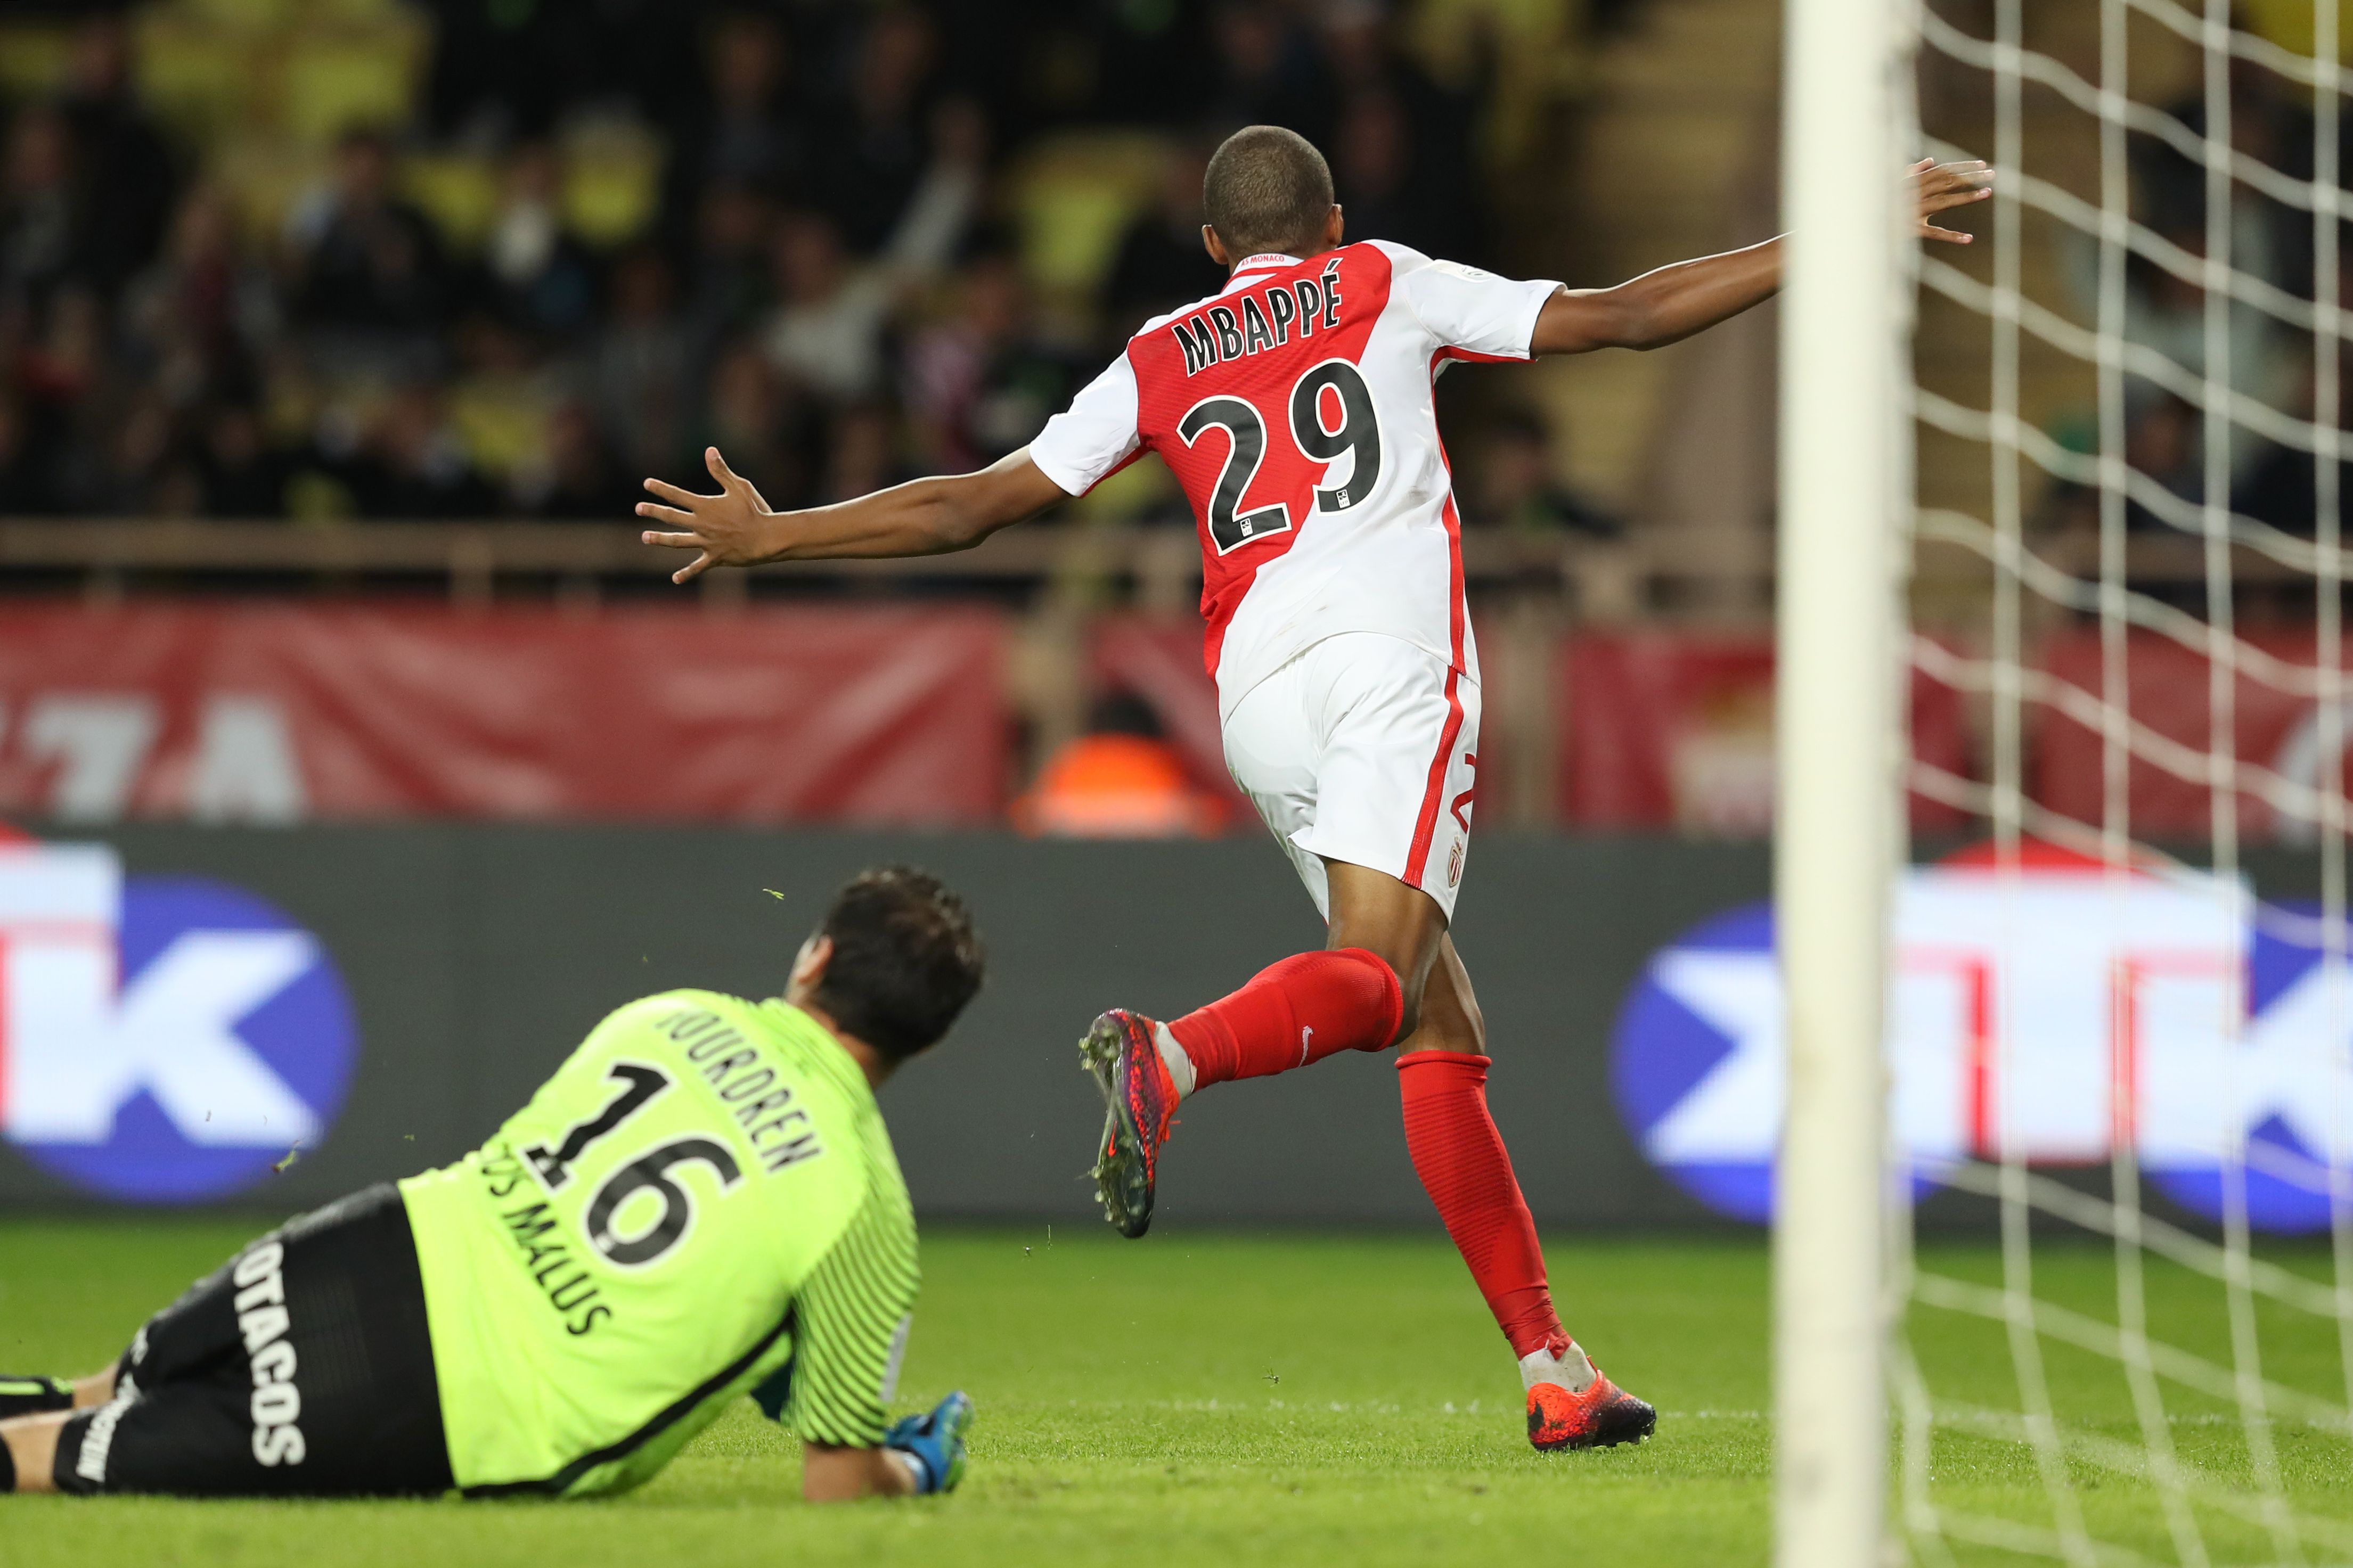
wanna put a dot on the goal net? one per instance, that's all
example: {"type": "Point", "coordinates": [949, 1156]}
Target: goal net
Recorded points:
{"type": "Point", "coordinates": [2111, 985]}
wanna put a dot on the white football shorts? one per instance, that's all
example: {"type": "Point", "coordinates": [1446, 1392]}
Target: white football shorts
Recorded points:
{"type": "Point", "coordinates": [1363, 749]}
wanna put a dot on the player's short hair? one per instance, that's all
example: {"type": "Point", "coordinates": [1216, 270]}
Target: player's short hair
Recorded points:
{"type": "Point", "coordinates": [1267, 189]}
{"type": "Point", "coordinates": [906, 960]}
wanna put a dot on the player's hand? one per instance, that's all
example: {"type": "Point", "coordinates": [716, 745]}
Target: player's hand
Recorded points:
{"type": "Point", "coordinates": [1939, 188]}
{"type": "Point", "coordinates": [728, 528]}
{"type": "Point", "coordinates": [935, 1440]}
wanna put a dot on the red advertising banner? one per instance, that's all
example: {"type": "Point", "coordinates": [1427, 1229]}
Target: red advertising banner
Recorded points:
{"type": "Point", "coordinates": [1674, 730]}
{"type": "Point", "coordinates": [2275, 727]}
{"type": "Point", "coordinates": [280, 713]}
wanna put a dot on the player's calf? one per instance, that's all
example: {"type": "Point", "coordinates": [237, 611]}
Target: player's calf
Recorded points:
{"type": "Point", "coordinates": [28, 1451]}
{"type": "Point", "coordinates": [1291, 1014]}
{"type": "Point", "coordinates": [1463, 1165]}
{"type": "Point", "coordinates": [32, 1411]}
{"type": "Point", "coordinates": [1398, 924]}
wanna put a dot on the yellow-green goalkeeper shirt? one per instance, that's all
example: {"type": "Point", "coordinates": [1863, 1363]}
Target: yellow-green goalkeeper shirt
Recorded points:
{"type": "Point", "coordinates": [702, 1203]}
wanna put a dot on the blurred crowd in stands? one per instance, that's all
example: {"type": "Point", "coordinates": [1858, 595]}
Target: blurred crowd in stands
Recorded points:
{"type": "Point", "coordinates": [576, 241]}
{"type": "Point", "coordinates": [2264, 358]}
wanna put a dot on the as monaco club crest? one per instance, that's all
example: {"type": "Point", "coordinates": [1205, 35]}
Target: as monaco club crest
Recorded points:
{"type": "Point", "coordinates": [2048, 1014]}
{"type": "Point", "coordinates": [163, 1039]}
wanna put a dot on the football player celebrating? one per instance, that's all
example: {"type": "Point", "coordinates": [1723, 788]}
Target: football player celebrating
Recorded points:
{"type": "Point", "coordinates": [702, 1202]}
{"type": "Point", "coordinates": [1295, 408]}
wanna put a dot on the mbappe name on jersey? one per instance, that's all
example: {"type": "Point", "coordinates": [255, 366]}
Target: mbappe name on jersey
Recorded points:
{"type": "Point", "coordinates": [1256, 319]}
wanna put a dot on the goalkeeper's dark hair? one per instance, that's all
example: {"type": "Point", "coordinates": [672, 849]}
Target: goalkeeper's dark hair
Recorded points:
{"type": "Point", "coordinates": [906, 960]}
{"type": "Point", "coordinates": [1267, 189]}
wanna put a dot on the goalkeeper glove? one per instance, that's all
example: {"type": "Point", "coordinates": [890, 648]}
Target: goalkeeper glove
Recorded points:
{"type": "Point", "coordinates": [932, 1445]}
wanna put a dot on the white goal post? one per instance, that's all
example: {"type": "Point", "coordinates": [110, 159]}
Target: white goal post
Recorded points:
{"type": "Point", "coordinates": [1844, 503]}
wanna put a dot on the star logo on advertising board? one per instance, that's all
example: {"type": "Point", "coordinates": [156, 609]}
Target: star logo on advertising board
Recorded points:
{"type": "Point", "coordinates": [162, 1039]}
{"type": "Point", "coordinates": [2049, 1015]}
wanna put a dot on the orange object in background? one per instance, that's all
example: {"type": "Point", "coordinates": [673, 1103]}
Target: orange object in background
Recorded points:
{"type": "Point", "coordinates": [1121, 780]}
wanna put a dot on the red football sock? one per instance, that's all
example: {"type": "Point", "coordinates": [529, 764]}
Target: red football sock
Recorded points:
{"type": "Point", "coordinates": [1291, 1014]}
{"type": "Point", "coordinates": [1461, 1162]}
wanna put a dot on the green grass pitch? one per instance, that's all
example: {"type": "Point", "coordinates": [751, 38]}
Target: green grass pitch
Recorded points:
{"type": "Point", "coordinates": [1228, 1400]}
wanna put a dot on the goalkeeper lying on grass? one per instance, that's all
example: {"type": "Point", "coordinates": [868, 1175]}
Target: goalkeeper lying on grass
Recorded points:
{"type": "Point", "coordinates": [702, 1203]}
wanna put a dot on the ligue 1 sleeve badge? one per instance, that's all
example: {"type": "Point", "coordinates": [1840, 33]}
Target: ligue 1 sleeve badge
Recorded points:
{"type": "Point", "coordinates": [163, 1039]}
{"type": "Point", "coordinates": [2045, 1016]}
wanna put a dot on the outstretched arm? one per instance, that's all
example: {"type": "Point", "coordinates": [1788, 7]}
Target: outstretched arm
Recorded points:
{"type": "Point", "coordinates": [1671, 304]}
{"type": "Point", "coordinates": [922, 517]}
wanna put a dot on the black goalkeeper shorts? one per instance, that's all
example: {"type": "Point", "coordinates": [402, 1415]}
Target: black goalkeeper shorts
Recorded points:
{"type": "Point", "coordinates": [301, 1367]}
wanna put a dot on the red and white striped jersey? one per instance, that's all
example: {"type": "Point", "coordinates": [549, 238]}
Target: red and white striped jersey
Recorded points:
{"type": "Point", "coordinates": [1295, 408]}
